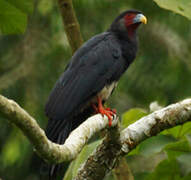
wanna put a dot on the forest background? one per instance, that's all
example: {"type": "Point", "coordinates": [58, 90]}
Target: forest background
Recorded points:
{"type": "Point", "coordinates": [34, 51]}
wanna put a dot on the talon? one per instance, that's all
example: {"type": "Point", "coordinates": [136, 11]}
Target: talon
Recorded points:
{"type": "Point", "coordinates": [113, 110]}
{"type": "Point", "coordinates": [105, 111]}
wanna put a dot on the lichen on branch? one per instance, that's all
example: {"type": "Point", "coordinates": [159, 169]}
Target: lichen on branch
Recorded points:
{"type": "Point", "coordinates": [48, 150]}
{"type": "Point", "coordinates": [116, 144]}
{"type": "Point", "coordinates": [131, 136]}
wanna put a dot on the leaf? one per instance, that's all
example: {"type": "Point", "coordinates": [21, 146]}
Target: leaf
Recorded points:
{"type": "Point", "coordinates": [184, 161]}
{"type": "Point", "coordinates": [75, 165]}
{"type": "Point", "coordinates": [45, 6]}
{"type": "Point", "coordinates": [13, 15]}
{"type": "Point", "coordinates": [11, 150]}
{"type": "Point", "coordinates": [188, 138]}
{"type": "Point", "coordinates": [175, 131]}
{"type": "Point", "coordinates": [178, 6]}
{"type": "Point", "coordinates": [132, 115]}
{"type": "Point", "coordinates": [179, 131]}
{"type": "Point", "coordinates": [186, 128]}
{"type": "Point", "coordinates": [68, 174]}
{"type": "Point", "coordinates": [176, 149]}
{"type": "Point", "coordinates": [165, 170]}
{"type": "Point", "coordinates": [140, 163]}
{"type": "Point", "coordinates": [155, 144]}
{"type": "Point", "coordinates": [22, 5]}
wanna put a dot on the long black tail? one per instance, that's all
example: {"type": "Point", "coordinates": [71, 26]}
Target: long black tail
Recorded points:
{"type": "Point", "coordinates": [55, 171]}
{"type": "Point", "coordinates": [58, 133]}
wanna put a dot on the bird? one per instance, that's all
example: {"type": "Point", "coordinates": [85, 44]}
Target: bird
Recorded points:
{"type": "Point", "coordinates": [90, 78]}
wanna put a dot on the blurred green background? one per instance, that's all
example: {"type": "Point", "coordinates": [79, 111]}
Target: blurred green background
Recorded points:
{"type": "Point", "coordinates": [31, 63]}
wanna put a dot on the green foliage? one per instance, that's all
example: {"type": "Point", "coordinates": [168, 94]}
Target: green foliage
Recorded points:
{"type": "Point", "coordinates": [176, 149]}
{"type": "Point", "coordinates": [165, 170]}
{"type": "Point", "coordinates": [178, 6]}
{"type": "Point", "coordinates": [161, 72]}
{"type": "Point", "coordinates": [165, 156]}
{"type": "Point", "coordinates": [184, 163]}
{"type": "Point", "coordinates": [11, 151]}
{"type": "Point", "coordinates": [13, 15]}
{"type": "Point", "coordinates": [45, 6]}
{"type": "Point", "coordinates": [155, 144]}
{"type": "Point", "coordinates": [75, 165]}
{"type": "Point", "coordinates": [132, 115]}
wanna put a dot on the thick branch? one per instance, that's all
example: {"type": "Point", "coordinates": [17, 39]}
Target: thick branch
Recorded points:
{"type": "Point", "coordinates": [114, 145]}
{"type": "Point", "coordinates": [154, 123]}
{"type": "Point", "coordinates": [46, 149]}
{"type": "Point", "coordinates": [150, 125]}
{"type": "Point", "coordinates": [71, 24]}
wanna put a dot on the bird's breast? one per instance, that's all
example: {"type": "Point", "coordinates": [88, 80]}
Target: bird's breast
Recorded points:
{"type": "Point", "coordinates": [105, 93]}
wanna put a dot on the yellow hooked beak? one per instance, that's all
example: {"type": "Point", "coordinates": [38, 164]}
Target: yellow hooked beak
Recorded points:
{"type": "Point", "coordinates": [140, 18]}
{"type": "Point", "coordinates": [143, 19]}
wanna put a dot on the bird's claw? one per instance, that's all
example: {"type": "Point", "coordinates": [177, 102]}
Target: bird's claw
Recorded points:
{"type": "Point", "coordinates": [113, 110]}
{"type": "Point", "coordinates": [104, 111]}
{"type": "Point", "coordinates": [109, 113]}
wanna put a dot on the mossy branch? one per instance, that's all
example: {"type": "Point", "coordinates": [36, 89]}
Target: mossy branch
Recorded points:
{"type": "Point", "coordinates": [116, 144]}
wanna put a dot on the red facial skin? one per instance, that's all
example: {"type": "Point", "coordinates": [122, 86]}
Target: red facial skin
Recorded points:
{"type": "Point", "coordinates": [130, 25]}
{"type": "Point", "coordinates": [129, 19]}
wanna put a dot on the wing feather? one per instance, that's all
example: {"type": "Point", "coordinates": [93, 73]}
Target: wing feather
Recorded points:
{"type": "Point", "coordinates": [86, 75]}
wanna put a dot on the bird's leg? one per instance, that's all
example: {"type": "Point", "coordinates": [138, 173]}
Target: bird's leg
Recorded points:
{"type": "Point", "coordinates": [113, 110]}
{"type": "Point", "coordinates": [105, 111]}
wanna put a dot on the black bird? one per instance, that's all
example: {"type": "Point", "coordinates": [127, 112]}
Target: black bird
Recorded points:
{"type": "Point", "coordinates": [91, 76]}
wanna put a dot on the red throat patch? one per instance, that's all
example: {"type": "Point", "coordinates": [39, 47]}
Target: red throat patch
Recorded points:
{"type": "Point", "coordinates": [131, 27]}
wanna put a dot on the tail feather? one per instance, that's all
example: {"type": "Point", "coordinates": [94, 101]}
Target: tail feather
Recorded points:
{"type": "Point", "coordinates": [63, 132]}
{"type": "Point", "coordinates": [57, 131]}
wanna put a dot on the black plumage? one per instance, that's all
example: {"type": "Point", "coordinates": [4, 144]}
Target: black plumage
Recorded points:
{"type": "Point", "coordinates": [97, 65]}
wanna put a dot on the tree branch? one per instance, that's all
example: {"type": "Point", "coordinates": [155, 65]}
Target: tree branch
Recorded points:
{"type": "Point", "coordinates": [103, 159]}
{"type": "Point", "coordinates": [49, 151]}
{"type": "Point", "coordinates": [115, 145]}
{"type": "Point", "coordinates": [154, 123]}
{"type": "Point", "coordinates": [71, 24]}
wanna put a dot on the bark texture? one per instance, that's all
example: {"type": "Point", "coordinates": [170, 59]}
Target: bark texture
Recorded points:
{"type": "Point", "coordinates": [48, 150]}
{"type": "Point", "coordinates": [111, 150]}
{"type": "Point", "coordinates": [71, 24]}
{"type": "Point", "coordinates": [116, 143]}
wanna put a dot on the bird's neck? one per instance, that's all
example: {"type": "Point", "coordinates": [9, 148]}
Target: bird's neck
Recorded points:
{"type": "Point", "coordinates": [129, 45]}
{"type": "Point", "coordinates": [132, 31]}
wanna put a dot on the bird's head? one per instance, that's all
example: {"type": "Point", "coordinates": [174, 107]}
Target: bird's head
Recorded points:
{"type": "Point", "coordinates": [128, 22]}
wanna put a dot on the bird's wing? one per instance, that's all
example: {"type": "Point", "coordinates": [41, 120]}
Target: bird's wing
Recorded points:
{"type": "Point", "coordinates": [89, 71]}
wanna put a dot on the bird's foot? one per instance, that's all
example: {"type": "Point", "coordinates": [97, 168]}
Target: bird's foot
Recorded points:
{"type": "Point", "coordinates": [113, 110]}
{"type": "Point", "coordinates": [108, 112]}
{"type": "Point", "coordinates": [104, 111]}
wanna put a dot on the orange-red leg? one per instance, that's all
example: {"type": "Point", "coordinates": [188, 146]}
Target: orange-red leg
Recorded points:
{"type": "Point", "coordinates": [104, 111]}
